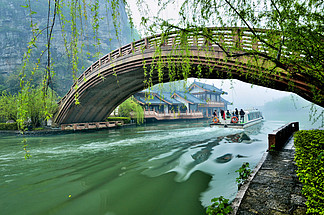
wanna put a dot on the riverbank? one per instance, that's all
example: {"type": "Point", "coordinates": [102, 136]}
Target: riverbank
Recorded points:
{"type": "Point", "coordinates": [81, 127]}
{"type": "Point", "coordinates": [57, 131]}
{"type": "Point", "coordinates": [274, 187]}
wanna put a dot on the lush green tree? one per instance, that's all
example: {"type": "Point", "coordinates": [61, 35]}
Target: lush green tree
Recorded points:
{"type": "Point", "coordinates": [8, 107]}
{"type": "Point", "coordinates": [130, 108]}
{"type": "Point", "coordinates": [290, 42]}
{"type": "Point", "coordinates": [39, 107]}
{"type": "Point", "coordinates": [79, 24]}
{"type": "Point", "coordinates": [2, 83]}
{"type": "Point", "coordinates": [291, 39]}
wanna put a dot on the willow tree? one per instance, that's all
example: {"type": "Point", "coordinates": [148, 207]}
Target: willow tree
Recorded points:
{"type": "Point", "coordinates": [77, 21]}
{"type": "Point", "coordinates": [289, 32]}
{"type": "Point", "coordinates": [65, 14]}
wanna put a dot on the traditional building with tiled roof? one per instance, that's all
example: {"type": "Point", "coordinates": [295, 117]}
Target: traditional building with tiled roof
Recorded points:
{"type": "Point", "coordinates": [198, 101]}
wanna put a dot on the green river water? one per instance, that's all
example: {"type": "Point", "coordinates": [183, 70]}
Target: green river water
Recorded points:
{"type": "Point", "coordinates": [166, 168]}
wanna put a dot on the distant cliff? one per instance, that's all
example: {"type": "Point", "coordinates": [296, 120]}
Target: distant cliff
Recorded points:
{"type": "Point", "coordinates": [15, 33]}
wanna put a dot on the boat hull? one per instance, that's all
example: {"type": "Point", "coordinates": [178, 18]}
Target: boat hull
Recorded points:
{"type": "Point", "coordinates": [237, 125]}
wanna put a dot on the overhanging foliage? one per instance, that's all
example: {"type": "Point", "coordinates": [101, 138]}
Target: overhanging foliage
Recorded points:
{"type": "Point", "coordinates": [286, 47]}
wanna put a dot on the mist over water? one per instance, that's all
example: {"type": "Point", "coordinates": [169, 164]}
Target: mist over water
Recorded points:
{"type": "Point", "coordinates": [165, 168]}
{"type": "Point", "coordinates": [293, 108]}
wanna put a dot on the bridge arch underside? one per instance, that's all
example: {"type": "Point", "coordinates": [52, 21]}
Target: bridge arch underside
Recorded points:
{"type": "Point", "coordinates": [111, 84]}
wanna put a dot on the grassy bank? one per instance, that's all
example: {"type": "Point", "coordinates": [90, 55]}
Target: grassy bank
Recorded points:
{"type": "Point", "coordinates": [310, 161]}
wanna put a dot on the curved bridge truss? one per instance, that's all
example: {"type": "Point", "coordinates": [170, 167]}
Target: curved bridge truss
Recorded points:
{"type": "Point", "coordinates": [116, 76]}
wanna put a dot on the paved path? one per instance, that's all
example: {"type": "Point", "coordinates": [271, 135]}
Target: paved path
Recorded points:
{"type": "Point", "coordinates": [274, 188]}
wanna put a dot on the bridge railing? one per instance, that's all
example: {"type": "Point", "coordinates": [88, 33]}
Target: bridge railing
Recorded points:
{"type": "Point", "coordinates": [227, 37]}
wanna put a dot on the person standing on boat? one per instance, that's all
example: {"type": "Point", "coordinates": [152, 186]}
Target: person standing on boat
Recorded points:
{"type": "Point", "coordinates": [242, 113]}
{"type": "Point", "coordinates": [228, 114]}
{"type": "Point", "coordinates": [215, 114]}
{"type": "Point", "coordinates": [236, 112]}
{"type": "Point", "coordinates": [223, 114]}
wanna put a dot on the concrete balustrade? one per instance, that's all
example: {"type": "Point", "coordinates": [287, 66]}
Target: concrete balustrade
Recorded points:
{"type": "Point", "coordinates": [90, 125]}
{"type": "Point", "coordinates": [173, 115]}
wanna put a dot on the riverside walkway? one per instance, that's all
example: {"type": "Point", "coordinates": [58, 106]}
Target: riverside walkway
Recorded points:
{"type": "Point", "coordinates": [273, 187]}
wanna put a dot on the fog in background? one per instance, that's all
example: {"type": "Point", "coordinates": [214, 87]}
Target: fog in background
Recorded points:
{"type": "Point", "coordinates": [274, 104]}
{"type": "Point", "coordinates": [244, 95]}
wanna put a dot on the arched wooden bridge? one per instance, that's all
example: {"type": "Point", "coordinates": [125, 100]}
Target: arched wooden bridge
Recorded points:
{"type": "Point", "coordinates": [121, 73]}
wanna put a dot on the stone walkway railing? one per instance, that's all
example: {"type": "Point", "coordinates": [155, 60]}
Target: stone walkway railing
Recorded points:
{"type": "Point", "coordinates": [273, 188]}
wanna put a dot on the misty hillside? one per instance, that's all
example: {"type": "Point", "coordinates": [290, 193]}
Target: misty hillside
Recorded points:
{"type": "Point", "coordinates": [287, 104]}
{"type": "Point", "coordinates": [15, 33]}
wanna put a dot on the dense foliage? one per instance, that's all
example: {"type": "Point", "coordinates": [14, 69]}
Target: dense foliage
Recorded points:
{"type": "Point", "coordinates": [219, 206]}
{"type": "Point", "coordinates": [63, 38]}
{"type": "Point", "coordinates": [289, 32]}
{"type": "Point", "coordinates": [38, 107]}
{"type": "Point", "coordinates": [8, 107]}
{"type": "Point", "coordinates": [291, 46]}
{"type": "Point", "coordinates": [310, 161]}
{"type": "Point", "coordinates": [244, 173]}
{"type": "Point", "coordinates": [8, 126]}
{"type": "Point", "coordinates": [130, 108]}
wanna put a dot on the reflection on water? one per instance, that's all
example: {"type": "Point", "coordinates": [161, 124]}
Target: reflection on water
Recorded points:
{"type": "Point", "coordinates": [167, 168]}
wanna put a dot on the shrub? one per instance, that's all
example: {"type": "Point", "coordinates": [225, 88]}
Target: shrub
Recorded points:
{"type": "Point", "coordinates": [219, 206]}
{"type": "Point", "coordinates": [36, 107]}
{"type": "Point", "coordinates": [310, 162]}
{"type": "Point", "coordinates": [8, 126]}
{"type": "Point", "coordinates": [130, 108]}
{"type": "Point", "coordinates": [244, 173]}
{"type": "Point", "coordinates": [8, 106]}
{"type": "Point", "coordinates": [126, 120]}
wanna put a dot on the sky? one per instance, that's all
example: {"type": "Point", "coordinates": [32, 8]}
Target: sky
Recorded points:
{"type": "Point", "coordinates": [150, 8]}
{"type": "Point", "coordinates": [241, 94]}
{"type": "Point", "coordinates": [245, 95]}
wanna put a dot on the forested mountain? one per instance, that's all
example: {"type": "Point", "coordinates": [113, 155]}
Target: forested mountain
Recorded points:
{"type": "Point", "coordinates": [15, 33]}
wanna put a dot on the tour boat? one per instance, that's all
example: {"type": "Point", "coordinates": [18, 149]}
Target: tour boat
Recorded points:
{"type": "Point", "coordinates": [251, 117]}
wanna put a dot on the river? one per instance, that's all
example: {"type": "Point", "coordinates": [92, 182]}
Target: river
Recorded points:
{"type": "Point", "coordinates": [164, 168]}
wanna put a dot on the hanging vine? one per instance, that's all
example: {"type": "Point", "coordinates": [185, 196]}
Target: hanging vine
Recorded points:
{"type": "Point", "coordinates": [281, 54]}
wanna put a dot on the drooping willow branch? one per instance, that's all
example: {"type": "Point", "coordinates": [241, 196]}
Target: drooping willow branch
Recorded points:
{"type": "Point", "coordinates": [49, 38]}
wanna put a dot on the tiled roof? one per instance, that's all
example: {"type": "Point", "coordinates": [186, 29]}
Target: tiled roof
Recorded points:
{"type": "Point", "coordinates": [207, 87]}
{"type": "Point", "coordinates": [158, 98]}
{"type": "Point", "coordinates": [189, 97]}
{"type": "Point", "coordinates": [153, 101]}
{"type": "Point", "coordinates": [166, 96]}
